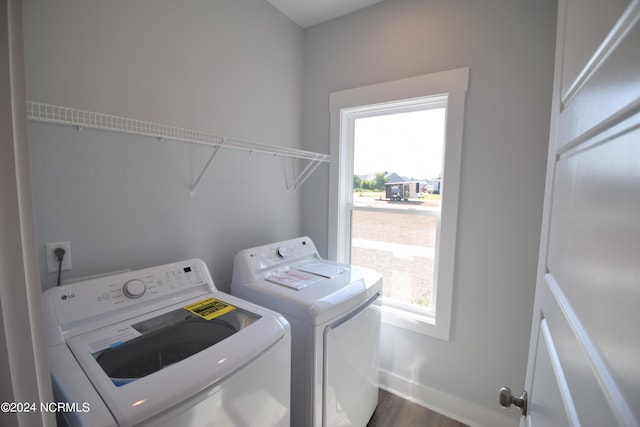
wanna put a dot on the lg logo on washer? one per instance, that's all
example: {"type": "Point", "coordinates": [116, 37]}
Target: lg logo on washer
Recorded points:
{"type": "Point", "coordinates": [67, 296]}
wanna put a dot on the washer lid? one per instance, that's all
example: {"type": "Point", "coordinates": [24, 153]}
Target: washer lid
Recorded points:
{"type": "Point", "coordinates": [161, 341]}
{"type": "Point", "coordinates": [322, 300]}
{"type": "Point", "coordinates": [165, 359]}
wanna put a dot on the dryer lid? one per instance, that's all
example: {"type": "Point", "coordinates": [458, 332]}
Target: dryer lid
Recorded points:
{"type": "Point", "coordinates": [291, 278]}
{"type": "Point", "coordinates": [322, 301]}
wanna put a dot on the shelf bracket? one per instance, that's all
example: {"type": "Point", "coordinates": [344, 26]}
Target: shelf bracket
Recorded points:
{"type": "Point", "coordinates": [306, 173]}
{"type": "Point", "coordinates": [204, 169]}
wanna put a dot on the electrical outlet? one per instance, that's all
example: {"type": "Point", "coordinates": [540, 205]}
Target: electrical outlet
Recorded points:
{"type": "Point", "coordinates": [52, 259]}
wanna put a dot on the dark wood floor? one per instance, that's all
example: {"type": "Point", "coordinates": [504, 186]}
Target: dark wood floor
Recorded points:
{"type": "Point", "coordinates": [396, 411]}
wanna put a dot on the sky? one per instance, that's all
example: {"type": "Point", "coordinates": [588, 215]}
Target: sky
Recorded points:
{"type": "Point", "coordinates": [409, 144]}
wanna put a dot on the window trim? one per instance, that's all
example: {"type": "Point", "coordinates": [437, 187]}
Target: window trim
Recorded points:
{"type": "Point", "coordinates": [454, 84]}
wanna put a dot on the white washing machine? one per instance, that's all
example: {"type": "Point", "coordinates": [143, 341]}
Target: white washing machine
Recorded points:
{"type": "Point", "coordinates": [161, 346]}
{"type": "Point", "coordinates": [334, 314]}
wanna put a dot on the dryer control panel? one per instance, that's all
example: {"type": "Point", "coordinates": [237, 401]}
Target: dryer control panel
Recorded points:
{"type": "Point", "coordinates": [250, 263]}
{"type": "Point", "coordinates": [91, 298]}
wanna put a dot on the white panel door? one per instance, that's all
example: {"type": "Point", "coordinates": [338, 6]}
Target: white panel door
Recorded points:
{"type": "Point", "coordinates": [584, 357]}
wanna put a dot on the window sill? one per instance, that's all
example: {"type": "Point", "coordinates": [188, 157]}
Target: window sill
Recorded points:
{"type": "Point", "coordinates": [424, 323]}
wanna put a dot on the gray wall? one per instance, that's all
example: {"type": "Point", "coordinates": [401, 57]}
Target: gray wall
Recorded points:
{"type": "Point", "coordinates": [509, 47]}
{"type": "Point", "coordinates": [224, 66]}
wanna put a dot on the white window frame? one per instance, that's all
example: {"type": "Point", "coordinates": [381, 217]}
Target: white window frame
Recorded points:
{"type": "Point", "coordinates": [412, 92]}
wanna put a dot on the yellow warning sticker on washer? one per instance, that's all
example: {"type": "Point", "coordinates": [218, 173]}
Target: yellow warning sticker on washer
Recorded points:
{"type": "Point", "coordinates": [209, 308]}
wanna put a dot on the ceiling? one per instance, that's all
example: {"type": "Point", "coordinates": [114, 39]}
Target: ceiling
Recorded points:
{"type": "Point", "coordinates": [311, 12]}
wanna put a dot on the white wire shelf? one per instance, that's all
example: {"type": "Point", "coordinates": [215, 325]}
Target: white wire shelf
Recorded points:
{"type": "Point", "coordinates": [48, 113]}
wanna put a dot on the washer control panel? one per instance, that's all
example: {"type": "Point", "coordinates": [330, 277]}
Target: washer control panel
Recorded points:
{"type": "Point", "coordinates": [134, 288]}
{"type": "Point", "coordinates": [86, 299]}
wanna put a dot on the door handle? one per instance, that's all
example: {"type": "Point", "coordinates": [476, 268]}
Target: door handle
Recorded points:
{"type": "Point", "coordinates": [506, 399]}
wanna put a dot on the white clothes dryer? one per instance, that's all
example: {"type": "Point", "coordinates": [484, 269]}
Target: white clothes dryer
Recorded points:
{"type": "Point", "coordinates": [161, 346]}
{"type": "Point", "coordinates": [334, 314]}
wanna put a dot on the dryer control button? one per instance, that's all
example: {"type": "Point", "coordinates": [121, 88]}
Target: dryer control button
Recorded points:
{"type": "Point", "coordinates": [282, 252]}
{"type": "Point", "coordinates": [134, 288]}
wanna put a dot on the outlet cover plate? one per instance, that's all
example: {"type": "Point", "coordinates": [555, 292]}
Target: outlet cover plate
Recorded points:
{"type": "Point", "coordinates": [52, 260]}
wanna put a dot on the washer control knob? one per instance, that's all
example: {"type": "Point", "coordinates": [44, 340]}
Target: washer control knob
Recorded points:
{"type": "Point", "coordinates": [134, 288]}
{"type": "Point", "coordinates": [282, 252]}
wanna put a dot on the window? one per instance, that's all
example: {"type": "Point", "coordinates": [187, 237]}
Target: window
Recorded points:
{"type": "Point", "coordinates": [395, 210]}
{"type": "Point", "coordinates": [403, 227]}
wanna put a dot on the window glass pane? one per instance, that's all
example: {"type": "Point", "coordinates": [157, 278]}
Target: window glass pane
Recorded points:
{"type": "Point", "coordinates": [397, 167]}
{"type": "Point", "coordinates": [404, 147]}
{"type": "Point", "coordinates": [402, 248]}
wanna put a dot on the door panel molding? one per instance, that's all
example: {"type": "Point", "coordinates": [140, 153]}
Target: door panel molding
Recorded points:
{"type": "Point", "coordinates": [547, 354]}
{"type": "Point", "coordinates": [617, 126]}
{"type": "Point", "coordinates": [610, 80]}
{"type": "Point", "coordinates": [625, 24]}
{"type": "Point", "coordinates": [583, 345]}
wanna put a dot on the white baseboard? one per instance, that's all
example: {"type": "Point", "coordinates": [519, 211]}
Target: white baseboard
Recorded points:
{"type": "Point", "coordinates": [453, 407]}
